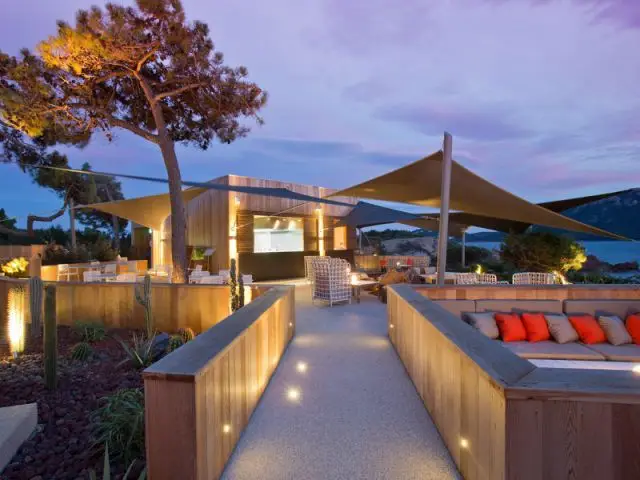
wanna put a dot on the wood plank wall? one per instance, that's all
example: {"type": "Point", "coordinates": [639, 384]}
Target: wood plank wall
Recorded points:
{"type": "Point", "coordinates": [199, 399]}
{"type": "Point", "coordinates": [503, 418]}
{"type": "Point", "coordinates": [372, 262]}
{"type": "Point", "coordinates": [530, 292]}
{"type": "Point", "coordinates": [33, 253]}
{"type": "Point", "coordinates": [113, 304]}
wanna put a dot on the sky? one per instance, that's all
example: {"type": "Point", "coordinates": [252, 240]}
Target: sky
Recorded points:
{"type": "Point", "coordinates": [541, 96]}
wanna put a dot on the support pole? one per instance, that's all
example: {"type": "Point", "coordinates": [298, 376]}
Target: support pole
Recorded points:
{"type": "Point", "coordinates": [443, 233]}
{"type": "Point", "coordinates": [72, 223]}
{"type": "Point", "coordinates": [464, 247]}
{"type": "Point", "coordinates": [360, 241]}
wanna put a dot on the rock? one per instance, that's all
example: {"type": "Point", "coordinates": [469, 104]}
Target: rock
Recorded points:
{"type": "Point", "coordinates": [60, 421]}
{"type": "Point", "coordinates": [160, 343]}
{"type": "Point", "coordinates": [28, 459]}
{"type": "Point", "coordinates": [37, 477]}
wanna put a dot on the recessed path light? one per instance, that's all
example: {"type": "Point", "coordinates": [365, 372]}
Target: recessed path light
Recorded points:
{"type": "Point", "coordinates": [301, 367]}
{"type": "Point", "coordinates": [293, 394]}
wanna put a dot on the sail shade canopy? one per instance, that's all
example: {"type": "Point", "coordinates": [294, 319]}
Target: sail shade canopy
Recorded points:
{"type": "Point", "coordinates": [366, 214]}
{"type": "Point", "coordinates": [419, 183]}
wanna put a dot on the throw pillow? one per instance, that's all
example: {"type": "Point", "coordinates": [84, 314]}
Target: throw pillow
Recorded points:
{"type": "Point", "coordinates": [633, 327]}
{"type": "Point", "coordinates": [483, 322]}
{"type": "Point", "coordinates": [588, 329]}
{"type": "Point", "coordinates": [510, 327]}
{"type": "Point", "coordinates": [561, 329]}
{"type": "Point", "coordinates": [536, 327]}
{"type": "Point", "coordinates": [614, 330]}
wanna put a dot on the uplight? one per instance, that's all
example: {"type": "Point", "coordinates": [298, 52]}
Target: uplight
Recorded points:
{"type": "Point", "coordinates": [293, 394]}
{"type": "Point", "coordinates": [354, 278]}
{"type": "Point", "coordinates": [392, 326]}
{"type": "Point", "coordinates": [291, 324]}
{"type": "Point", "coordinates": [301, 367]}
{"type": "Point", "coordinates": [16, 300]}
{"type": "Point", "coordinates": [464, 443]}
{"type": "Point", "coordinates": [226, 428]}
{"type": "Point", "coordinates": [636, 369]}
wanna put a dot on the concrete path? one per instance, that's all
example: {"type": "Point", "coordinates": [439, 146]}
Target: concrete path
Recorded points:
{"type": "Point", "coordinates": [358, 415]}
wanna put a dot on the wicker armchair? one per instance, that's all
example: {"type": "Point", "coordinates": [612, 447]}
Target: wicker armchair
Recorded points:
{"type": "Point", "coordinates": [533, 278]}
{"type": "Point", "coordinates": [332, 281]}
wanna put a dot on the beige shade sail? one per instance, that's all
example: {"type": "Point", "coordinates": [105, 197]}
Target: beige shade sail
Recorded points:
{"type": "Point", "coordinates": [419, 183]}
{"type": "Point", "coordinates": [146, 211]}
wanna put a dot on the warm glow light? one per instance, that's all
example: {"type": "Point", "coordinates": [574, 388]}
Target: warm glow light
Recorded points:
{"type": "Point", "coordinates": [398, 264]}
{"type": "Point", "coordinates": [320, 232]}
{"type": "Point", "coordinates": [391, 325]}
{"type": "Point", "coordinates": [237, 200]}
{"type": "Point", "coordinates": [354, 277]}
{"type": "Point", "coordinates": [226, 428]}
{"type": "Point", "coordinates": [636, 369]}
{"type": "Point", "coordinates": [291, 324]}
{"type": "Point", "coordinates": [301, 367]}
{"type": "Point", "coordinates": [464, 443]}
{"type": "Point", "coordinates": [562, 278]}
{"type": "Point", "coordinates": [479, 269]}
{"type": "Point", "coordinates": [16, 300]}
{"type": "Point", "coordinates": [292, 225]}
{"type": "Point", "coordinates": [276, 224]}
{"type": "Point", "coordinates": [293, 394]}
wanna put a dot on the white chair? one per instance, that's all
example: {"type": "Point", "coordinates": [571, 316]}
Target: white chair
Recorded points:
{"type": "Point", "coordinates": [466, 278]}
{"type": "Point", "coordinates": [128, 277]}
{"type": "Point", "coordinates": [91, 276]}
{"type": "Point", "coordinates": [196, 275]}
{"type": "Point", "coordinates": [488, 278]}
{"type": "Point", "coordinates": [212, 280]}
{"type": "Point", "coordinates": [65, 272]}
{"type": "Point", "coordinates": [247, 279]}
{"type": "Point", "coordinates": [533, 278]}
{"type": "Point", "coordinates": [110, 271]}
{"type": "Point", "coordinates": [332, 281]}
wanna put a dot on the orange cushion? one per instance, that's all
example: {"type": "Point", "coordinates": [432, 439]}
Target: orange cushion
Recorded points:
{"type": "Point", "coordinates": [633, 327]}
{"type": "Point", "coordinates": [510, 327]}
{"type": "Point", "coordinates": [536, 326]}
{"type": "Point", "coordinates": [588, 329]}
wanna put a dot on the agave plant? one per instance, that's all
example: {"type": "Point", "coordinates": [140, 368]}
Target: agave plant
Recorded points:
{"type": "Point", "coordinates": [106, 470]}
{"type": "Point", "coordinates": [90, 332]}
{"type": "Point", "coordinates": [81, 351]}
{"type": "Point", "coordinates": [141, 352]}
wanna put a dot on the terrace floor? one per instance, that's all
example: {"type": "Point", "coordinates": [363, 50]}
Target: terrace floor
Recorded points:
{"type": "Point", "coordinates": [358, 415]}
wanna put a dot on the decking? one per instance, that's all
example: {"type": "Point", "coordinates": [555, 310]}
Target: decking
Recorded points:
{"type": "Point", "coordinates": [358, 416]}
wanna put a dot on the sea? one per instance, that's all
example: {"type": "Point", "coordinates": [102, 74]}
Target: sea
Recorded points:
{"type": "Point", "coordinates": [607, 251]}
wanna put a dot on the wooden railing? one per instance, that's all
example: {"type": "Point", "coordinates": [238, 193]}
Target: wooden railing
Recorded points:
{"type": "Point", "coordinates": [503, 418]}
{"type": "Point", "coordinates": [199, 398]}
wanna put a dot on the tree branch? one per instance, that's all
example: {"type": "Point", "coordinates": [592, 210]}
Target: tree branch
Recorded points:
{"type": "Point", "coordinates": [132, 128]}
{"type": "Point", "coordinates": [178, 90]}
{"type": "Point", "coordinates": [146, 57]}
{"type": "Point", "coordinates": [34, 218]}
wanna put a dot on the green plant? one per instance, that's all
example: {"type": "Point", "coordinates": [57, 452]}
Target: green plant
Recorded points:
{"type": "Point", "coordinates": [35, 304]}
{"type": "Point", "coordinates": [175, 342]}
{"type": "Point", "coordinates": [50, 338]}
{"type": "Point", "coordinates": [81, 352]}
{"type": "Point", "coordinates": [240, 292]}
{"type": "Point", "coordinates": [141, 352]}
{"type": "Point", "coordinates": [233, 284]}
{"type": "Point", "coordinates": [106, 469]}
{"type": "Point", "coordinates": [187, 334]}
{"type": "Point", "coordinates": [542, 252]}
{"type": "Point", "coordinates": [90, 332]}
{"type": "Point", "coordinates": [119, 423]}
{"type": "Point", "coordinates": [143, 297]}
{"type": "Point", "coordinates": [16, 268]}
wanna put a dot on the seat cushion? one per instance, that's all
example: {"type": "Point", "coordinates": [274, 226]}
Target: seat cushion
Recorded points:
{"type": "Point", "coordinates": [484, 322]}
{"type": "Point", "coordinates": [536, 326]}
{"type": "Point", "coordinates": [633, 327]}
{"type": "Point", "coordinates": [510, 327]}
{"type": "Point", "coordinates": [615, 330]}
{"type": "Point", "coordinates": [535, 306]}
{"type": "Point", "coordinates": [553, 351]}
{"type": "Point", "coordinates": [589, 331]}
{"type": "Point", "coordinates": [561, 329]}
{"type": "Point", "coordinates": [621, 308]}
{"type": "Point", "coordinates": [457, 307]}
{"type": "Point", "coordinates": [618, 353]}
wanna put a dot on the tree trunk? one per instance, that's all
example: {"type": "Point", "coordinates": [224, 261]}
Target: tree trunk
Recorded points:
{"type": "Point", "coordinates": [178, 213]}
{"type": "Point", "coordinates": [72, 224]}
{"type": "Point", "coordinates": [34, 218]}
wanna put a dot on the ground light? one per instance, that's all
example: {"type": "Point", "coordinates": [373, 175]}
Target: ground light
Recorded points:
{"type": "Point", "coordinates": [636, 369]}
{"type": "Point", "coordinates": [16, 300]}
{"type": "Point", "coordinates": [301, 367]}
{"type": "Point", "coordinates": [226, 428]}
{"type": "Point", "coordinates": [464, 443]}
{"type": "Point", "coordinates": [293, 394]}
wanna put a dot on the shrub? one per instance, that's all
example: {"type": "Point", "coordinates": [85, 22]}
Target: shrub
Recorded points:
{"type": "Point", "coordinates": [90, 332]}
{"type": "Point", "coordinates": [81, 352]}
{"type": "Point", "coordinates": [542, 252]}
{"type": "Point", "coordinates": [175, 342]}
{"type": "Point", "coordinates": [106, 469]}
{"type": "Point", "coordinates": [187, 334]}
{"type": "Point", "coordinates": [16, 268]}
{"type": "Point", "coordinates": [119, 424]}
{"type": "Point", "coordinates": [141, 353]}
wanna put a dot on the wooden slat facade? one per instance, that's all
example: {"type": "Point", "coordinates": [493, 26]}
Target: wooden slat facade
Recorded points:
{"type": "Point", "coordinates": [503, 418]}
{"type": "Point", "coordinates": [33, 253]}
{"type": "Point", "coordinates": [212, 385]}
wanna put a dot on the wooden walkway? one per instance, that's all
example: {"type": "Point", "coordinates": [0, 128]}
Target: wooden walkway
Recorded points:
{"type": "Point", "coordinates": [352, 413]}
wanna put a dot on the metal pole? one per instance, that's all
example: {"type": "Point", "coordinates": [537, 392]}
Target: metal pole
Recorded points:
{"type": "Point", "coordinates": [443, 233]}
{"type": "Point", "coordinates": [464, 247]}
{"type": "Point", "coordinates": [360, 241]}
{"type": "Point", "coordinates": [72, 223]}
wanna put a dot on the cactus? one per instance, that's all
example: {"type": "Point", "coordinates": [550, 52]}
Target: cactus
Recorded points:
{"type": "Point", "coordinates": [35, 304]}
{"type": "Point", "coordinates": [81, 351]}
{"type": "Point", "coordinates": [143, 297]}
{"type": "Point", "coordinates": [186, 334]}
{"type": "Point", "coordinates": [50, 339]}
{"type": "Point", "coordinates": [233, 283]}
{"type": "Point", "coordinates": [16, 297]}
{"type": "Point", "coordinates": [240, 291]}
{"type": "Point", "coordinates": [175, 342]}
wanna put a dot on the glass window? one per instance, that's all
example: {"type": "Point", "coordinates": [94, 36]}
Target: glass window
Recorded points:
{"type": "Point", "coordinates": [278, 234]}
